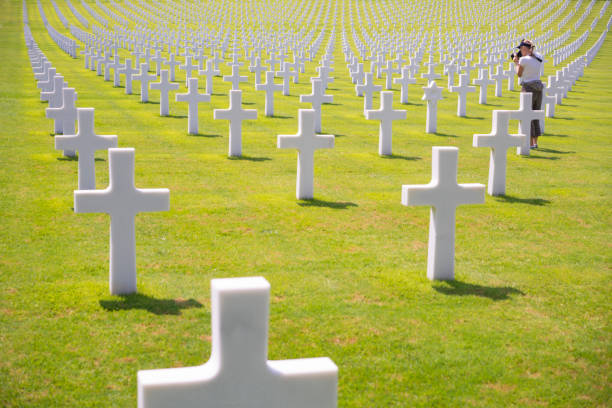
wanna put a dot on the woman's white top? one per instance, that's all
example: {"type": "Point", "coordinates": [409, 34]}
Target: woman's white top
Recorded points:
{"type": "Point", "coordinates": [531, 69]}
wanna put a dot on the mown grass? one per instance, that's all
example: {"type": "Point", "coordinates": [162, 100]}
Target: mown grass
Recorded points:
{"type": "Point", "coordinates": [526, 323]}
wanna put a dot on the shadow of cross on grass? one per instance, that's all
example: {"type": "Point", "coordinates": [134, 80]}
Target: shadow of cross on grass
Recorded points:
{"type": "Point", "coordinates": [456, 288]}
{"type": "Point", "coordinates": [329, 204]}
{"type": "Point", "coordinates": [513, 200]}
{"type": "Point", "coordinates": [150, 304]}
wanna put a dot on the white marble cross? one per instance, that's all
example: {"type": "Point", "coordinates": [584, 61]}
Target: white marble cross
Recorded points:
{"type": "Point", "coordinates": [431, 74]}
{"type": "Point", "coordinates": [144, 77]}
{"type": "Point", "coordinates": [432, 95]}
{"type": "Point", "coordinates": [257, 68]}
{"type": "Point", "coordinates": [65, 114]}
{"type": "Point", "coordinates": [367, 90]}
{"type": "Point", "coordinates": [306, 142]}
{"type": "Point", "coordinates": [498, 77]}
{"type": "Point", "coordinates": [462, 90]}
{"type": "Point", "coordinates": [286, 74]}
{"type": "Point", "coordinates": [499, 140]}
{"type": "Point", "coordinates": [164, 86]}
{"type": "Point", "coordinates": [238, 373]}
{"type": "Point", "coordinates": [235, 79]}
{"type": "Point", "coordinates": [525, 114]}
{"type": "Point", "coordinates": [55, 98]}
{"type": "Point", "coordinates": [269, 87]}
{"type": "Point", "coordinates": [317, 98]}
{"type": "Point", "coordinates": [210, 72]}
{"type": "Point", "coordinates": [122, 201]}
{"type": "Point", "coordinates": [443, 194]}
{"type": "Point", "coordinates": [405, 80]}
{"type": "Point", "coordinates": [235, 114]}
{"type": "Point", "coordinates": [483, 81]}
{"type": "Point", "coordinates": [193, 98]}
{"type": "Point", "coordinates": [188, 67]}
{"type": "Point", "coordinates": [389, 70]}
{"type": "Point", "coordinates": [172, 63]}
{"type": "Point", "coordinates": [129, 72]}
{"type": "Point", "coordinates": [386, 115]}
{"type": "Point", "coordinates": [86, 142]}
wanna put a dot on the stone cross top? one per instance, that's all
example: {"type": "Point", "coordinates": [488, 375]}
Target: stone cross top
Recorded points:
{"type": "Point", "coordinates": [235, 114]}
{"type": "Point", "coordinates": [316, 98]}
{"type": "Point", "coordinates": [499, 140]}
{"type": "Point", "coordinates": [193, 98]}
{"type": "Point", "coordinates": [238, 373]}
{"type": "Point", "coordinates": [386, 115]}
{"type": "Point", "coordinates": [86, 142]}
{"type": "Point", "coordinates": [462, 90]}
{"type": "Point", "coordinates": [443, 194]}
{"type": "Point", "coordinates": [269, 87]}
{"type": "Point", "coordinates": [306, 142]}
{"type": "Point", "coordinates": [122, 201]}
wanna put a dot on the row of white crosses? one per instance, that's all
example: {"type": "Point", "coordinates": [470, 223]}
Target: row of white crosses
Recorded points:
{"type": "Point", "coordinates": [121, 200]}
{"type": "Point", "coordinates": [238, 372]}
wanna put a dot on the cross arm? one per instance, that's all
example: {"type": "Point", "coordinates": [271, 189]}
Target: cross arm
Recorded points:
{"type": "Point", "coordinates": [152, 199]}
{"type": "Point", "coordinates": [92, 201]}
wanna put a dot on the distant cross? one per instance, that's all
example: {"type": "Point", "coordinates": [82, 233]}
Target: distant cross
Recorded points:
{"type": "Point", "coordinates": [432, 95]}
{"type": "Point", "coordinates": [158, 60]}
{"type": "Point", "coordinates": [358, 75]}
{"type": "Point", "coordinates": [257, 68]}
{"type": "Point", "coordinates": [235, 114]}
{"type": "Point", "coordinates": [172, 63]}
{"type": "Point", "coordinates": [272, 61]}
{"type": "Point", "coordinates": [188, 67]}
{"type": "Point", "coordinates": [235, 79]}
{"type": "Point", "coordinates": [269, 87]}
{"type": "Point", "coordinates": [499, 140]}
{"type": "Point", "coordinates": [386, 115]}
{"type": "Point", "coordinates": [389, 71]}
{"type": "Point", "coordinates": [86, 142]}
{"type": "Point", "coordinates": [306, 142]}
{"type": "Point", "coordinates": [367, 90]}
{"type": "Point", "coordinates": [443, 194]}
{"type": "Point", "coordinates": [431, 75]}
{"type": "Point", "coordinates": [129, 72]}
{"type": "Point", "coordinates": [483, 81]}
{"type": "Point", "coordinates": [116, 66]}
{"type": "Point", "coordinates": [238, 373]}
{"type": "Point", "coordinates": [462, 90]}
{"type": "Point", "coordinates": [193, 98]}
{"type": "Point", "coordinates": [498, 77]}
{"type": "Point", "coordinates": [210, 72]}
{"type": "Point", "coordinates": [286, 74]}
{"type": "Point", "coordinates": [144, 77]}
{"type": "Point", "coordinates": [122, 201]}
{"type": "Point", "coordinates": [66, 114]}
{"type": "Point", "coordinates": [164, 86]}
{"type": "Point", "coordinates": [317, 98]}
{"type": "Point", "coordinates": [525, 115]}
{"type": "Point", "coordinates": [405, 80]}
{"type": "Point", "coordinates": [324, 72]}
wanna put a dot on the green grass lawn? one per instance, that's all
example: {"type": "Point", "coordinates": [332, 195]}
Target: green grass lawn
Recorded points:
{"type": "Point", "coordinates": [525, 323]}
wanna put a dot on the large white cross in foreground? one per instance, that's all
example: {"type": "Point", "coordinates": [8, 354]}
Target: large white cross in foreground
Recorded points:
{"type": "Point", "coordinates": [306, 142]}
{"type": "Point", "coordinates": [122, 201]}
{"type": "Point", "coordinates": [239, 374]}
{"type": "Point", "coordinates": [443, 194]}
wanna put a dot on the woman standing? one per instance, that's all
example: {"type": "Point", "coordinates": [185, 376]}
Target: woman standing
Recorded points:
{"type": "Point", "coordinates": [528, 68]}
